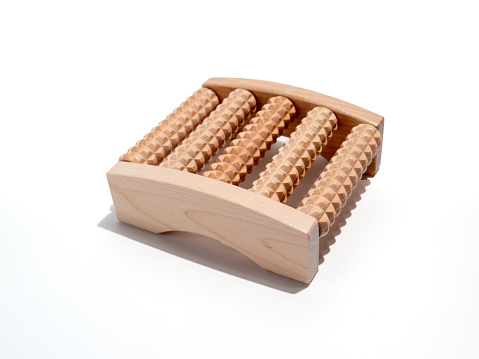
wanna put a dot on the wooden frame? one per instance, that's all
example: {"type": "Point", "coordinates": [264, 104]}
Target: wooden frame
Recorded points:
{"type": "Point", "coordinates": [277, 237]}
{"type": "Point", "coordinates": [163, 200]}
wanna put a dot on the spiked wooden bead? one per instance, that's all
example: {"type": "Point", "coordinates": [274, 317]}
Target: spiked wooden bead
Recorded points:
{"type": "Point", "coordinates": [162, 139]}
{"type": "Point", "coordinates": [252, 142]}
{"type": "Point", "coordinates": [283, 173]}
{"type": "Point", "coordinates": [341, 175]}
{"type": "Point", "coordinates": [209, 137]}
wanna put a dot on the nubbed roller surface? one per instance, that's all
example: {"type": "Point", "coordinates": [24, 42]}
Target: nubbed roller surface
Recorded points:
{"type": "Point", "coordinates": [244, 152]}
{"type": "Point", "coordinates": [203, 143]}
{"type": "Point", "coordinates": [289, 166]}
{"type": "Point", "coordinates": [162, 139]}
{"type": "Point", "coordinates": [330, 192]}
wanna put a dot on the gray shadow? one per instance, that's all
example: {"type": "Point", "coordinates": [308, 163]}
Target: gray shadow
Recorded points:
{"type": "Point", "coordinates": [215, 255]}
{"type": "Point", "coordinates": [205, 251]}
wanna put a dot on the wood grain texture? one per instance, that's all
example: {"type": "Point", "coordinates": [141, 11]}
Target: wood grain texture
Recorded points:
{"type": "Point", "coordinates": [203, 143]}
{"type": "Point", "coordinates": [279, 238]}
{"type": "Point", "coordinates": [348, 115]}
{"type": "Point", "coordinates": [162, 139]}
{"type": "Point", "coordinates": [289, 165]}
{"type": "Point", "coordinates": [244, 152]}
{"type": "Point", "coordinates": [335, 184]}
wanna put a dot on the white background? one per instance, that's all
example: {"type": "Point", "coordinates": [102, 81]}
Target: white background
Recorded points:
{"type": "Point", "coordinates": [81, 81]}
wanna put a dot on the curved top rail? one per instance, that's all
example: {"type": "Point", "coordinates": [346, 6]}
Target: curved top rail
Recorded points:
{"type": "Point", "coordinates": [304, 100]}
{"type": "Point", "coordinates": [348, 115]}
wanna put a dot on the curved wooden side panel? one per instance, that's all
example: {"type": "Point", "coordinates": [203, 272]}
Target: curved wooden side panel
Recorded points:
{"type": "Point", "coordinates": [348, 115]}
{"type": "Point", "coordinates": [278, 238]}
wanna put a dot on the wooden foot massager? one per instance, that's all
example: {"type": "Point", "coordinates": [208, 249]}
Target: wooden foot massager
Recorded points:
{"type": "Point", "coordinates": [157, 186]}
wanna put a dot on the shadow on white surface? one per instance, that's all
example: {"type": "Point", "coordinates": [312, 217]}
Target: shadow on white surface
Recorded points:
{"type": "Point", "coordinates": [213, 254]}
{"type": "Point", "coordinates": [330, 238]}
{"type": "Point", "coordinates": [205, 251]}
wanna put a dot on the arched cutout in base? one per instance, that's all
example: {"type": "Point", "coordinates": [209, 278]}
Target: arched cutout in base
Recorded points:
{"type": "Point", "coordinates": [278, 238]}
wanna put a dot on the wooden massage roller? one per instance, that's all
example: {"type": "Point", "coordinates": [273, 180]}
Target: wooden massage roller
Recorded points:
{"type": "Point", "coordinates": [157, 184]}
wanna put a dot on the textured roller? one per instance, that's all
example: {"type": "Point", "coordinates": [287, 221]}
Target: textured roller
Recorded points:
{"type": "Point", "coordinates": [210, 136]}
{"type": "Point", "coordinates": [244, 152]}
{"type": "Point", "coordinates": [163, 138]}
{"type": "Point", "coordinates": [289, 166]}
{"type": "Point", "coordinates": [330, 192]}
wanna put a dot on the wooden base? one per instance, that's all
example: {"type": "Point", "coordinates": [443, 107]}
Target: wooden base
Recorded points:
{"type": "Point", "coordinates": [277, 237]}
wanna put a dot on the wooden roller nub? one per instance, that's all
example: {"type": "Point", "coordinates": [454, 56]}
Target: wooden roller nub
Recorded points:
{"type": "Point", "coordinates": [203, 143]}
{"type": "Point", "coordinates": [244, 152]}
{"type": "Point", "coordinates": [162, 139]}
{"type": "Point", "coordinates": [330, 192]}
{"type": "Point", "coordinates": [289, 166]}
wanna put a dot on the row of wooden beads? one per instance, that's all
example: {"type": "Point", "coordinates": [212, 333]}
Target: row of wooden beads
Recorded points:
{"type": "Point", "coordinates": [289, 166]}
{"type": "Point", "coordinates": [162, 139]}
{"type": "Point", "coordinates": [335, 184]}
{"type": "Point", "coordinates": [203, 143]}
{"type": "Point", "coordinates": [244, 152]}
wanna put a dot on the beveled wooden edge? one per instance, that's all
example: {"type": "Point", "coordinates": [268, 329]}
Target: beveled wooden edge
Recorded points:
{"type": "Point", "coordinates": [348, 115]}
{"type": "Point", "coordinates": [277, 237]}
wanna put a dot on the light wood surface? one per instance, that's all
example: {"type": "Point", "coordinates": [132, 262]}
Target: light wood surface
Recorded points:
{"type": "Point", "coordinates": [244, 152]}
{"type": "Point", "coordinates": [335, 184]}
{"type": "Point", "coordinates": [348, 115]}
{"type": "Point", "coordinates": [203, 143]}
{"type": "Point", "coordinates": [277, 237]}
{"type": "Point", "coordinates": [162, 139]}
{"type": "Point", "coordinates": [289, 166]}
